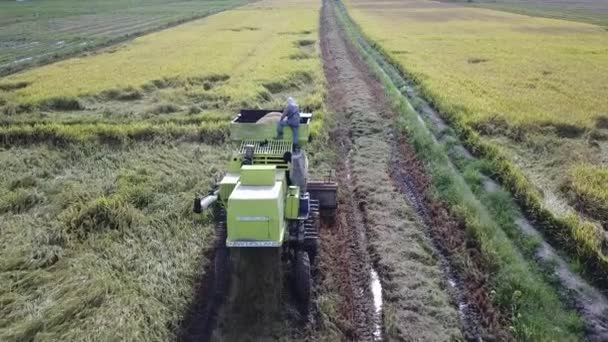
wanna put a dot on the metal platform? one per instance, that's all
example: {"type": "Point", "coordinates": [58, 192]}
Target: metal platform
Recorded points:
{"type": "Point", "coordinates": [268, 147]}
{"type": "Point", "coordinates": [268, 152]}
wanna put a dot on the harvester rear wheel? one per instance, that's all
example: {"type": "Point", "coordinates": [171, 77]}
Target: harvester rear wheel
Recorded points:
{"type": "Point", "coordinates": [303, 281]}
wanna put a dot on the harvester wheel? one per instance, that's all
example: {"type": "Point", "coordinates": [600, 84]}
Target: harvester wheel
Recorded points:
{"type": "Point", "coordinates": [303, 281]}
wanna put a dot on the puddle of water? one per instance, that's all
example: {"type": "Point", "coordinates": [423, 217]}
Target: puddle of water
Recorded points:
{"type": "Point", "coordinates": [462, 305]}
{"type": "Point", "coordinates": [377, 294]}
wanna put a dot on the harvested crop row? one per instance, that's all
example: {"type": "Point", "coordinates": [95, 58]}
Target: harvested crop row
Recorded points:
{"type": "Point", "coordinates": [416, 305]}
{"type": "Point", "coordinates": [98, 241]}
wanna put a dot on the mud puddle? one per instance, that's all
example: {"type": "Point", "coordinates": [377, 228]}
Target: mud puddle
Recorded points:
{"type": "Point", "coordinates": [376, 288]}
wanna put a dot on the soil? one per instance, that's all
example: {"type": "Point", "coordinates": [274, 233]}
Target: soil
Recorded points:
{"type": "Point", "coordinates": [380, 215]}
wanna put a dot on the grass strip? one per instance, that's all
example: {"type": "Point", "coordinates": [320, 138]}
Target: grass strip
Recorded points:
{"type": "Point", "coordinates": [536, 311]}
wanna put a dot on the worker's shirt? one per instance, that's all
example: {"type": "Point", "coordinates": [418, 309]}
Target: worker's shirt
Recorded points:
{"type": "Point", "coordinates": [292, 112]}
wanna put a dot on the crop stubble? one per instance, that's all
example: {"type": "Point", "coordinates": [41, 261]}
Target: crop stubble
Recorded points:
{"type": "Point", "coordinates": [416, 304]}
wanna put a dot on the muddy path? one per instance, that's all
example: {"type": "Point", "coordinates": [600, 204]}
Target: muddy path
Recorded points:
{"type": "Point", "coordinates": [385, 223]}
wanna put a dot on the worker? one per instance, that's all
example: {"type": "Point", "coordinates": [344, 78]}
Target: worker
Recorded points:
{"type": "Point", "coordinates": [291, 118]}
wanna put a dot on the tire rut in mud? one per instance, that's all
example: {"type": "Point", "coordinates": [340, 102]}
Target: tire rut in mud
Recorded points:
{"type": "Point", "coordinates": [461, 256]}
{"type": "Point", "coordinates": [380, 228]}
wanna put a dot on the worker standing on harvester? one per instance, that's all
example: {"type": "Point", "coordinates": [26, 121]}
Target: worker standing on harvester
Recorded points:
{"type": "Point", "coordinates": [291, 118]}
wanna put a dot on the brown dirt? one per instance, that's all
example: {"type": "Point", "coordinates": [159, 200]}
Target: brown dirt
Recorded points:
{"type": "Point", "coordinates": [467, 265]}
{"type": "Point", "coordinates": [375, 220]}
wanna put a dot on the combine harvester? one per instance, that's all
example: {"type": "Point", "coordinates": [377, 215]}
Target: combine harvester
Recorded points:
{"type": "Point", "coordinates": [266, 205]}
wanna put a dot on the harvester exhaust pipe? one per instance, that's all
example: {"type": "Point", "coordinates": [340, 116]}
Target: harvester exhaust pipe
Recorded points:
{"type": "Point", "coordinates": [202, 203]}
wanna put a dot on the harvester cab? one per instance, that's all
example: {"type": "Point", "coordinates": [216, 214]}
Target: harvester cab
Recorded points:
{"type": "Point", "coordinates": [266, 199]}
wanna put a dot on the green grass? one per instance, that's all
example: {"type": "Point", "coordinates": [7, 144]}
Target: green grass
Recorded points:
{"type": "Point", "coordinates": [533, 306]}
{"type": "Point", "coordinates": [98, 242]}
{"type": "Point", "coordinates": [40, 31]}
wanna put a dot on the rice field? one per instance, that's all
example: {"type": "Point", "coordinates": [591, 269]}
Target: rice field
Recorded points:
{"type": "Point", "coordinates": [101, 156]}
{"type": "Point", "coordinates": [181, 53]}
{"type": "Point", "coordinates": [521, 272]}
{"type": "Point", "coordinates": [530, 87]}
{"type": "Point", "coordinates": [490, 66]}
{"type": "Point", "coordinates": [98, 242]}
{"type": "Point", "coordinates": [38, 32]}
{"type": "Point", "coordinates": [591, 11]}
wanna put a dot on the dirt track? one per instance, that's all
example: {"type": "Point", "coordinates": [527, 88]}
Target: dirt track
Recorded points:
{"type": "Point", "coordinates": [375, 219]}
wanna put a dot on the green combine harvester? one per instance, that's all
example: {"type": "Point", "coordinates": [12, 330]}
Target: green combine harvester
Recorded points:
{"type": "Point", "coordinates": [265, 200]}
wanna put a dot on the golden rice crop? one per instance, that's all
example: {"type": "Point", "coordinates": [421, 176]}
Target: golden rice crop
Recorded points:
{"type": "Point", "coordinates": [588, 185]}
{"type": "Point", "coordinates": [253, 46]}
{"type": "Point", "coordinates": [486, 65]}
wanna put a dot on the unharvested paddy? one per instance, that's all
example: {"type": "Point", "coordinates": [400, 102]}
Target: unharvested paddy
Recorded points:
{"type": "Point", "coordinates": [253, 56]}
{"type": "Point", "coordinates": [35, 32]}
{"type": "Point", "coordinates": [490, 66]}
{"type": "Point", "coordinates": [591, 11]}
{"type": "Point", "coordinates": [98, 242]}
{"type": "Point", "coordinates": [531, 87]}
